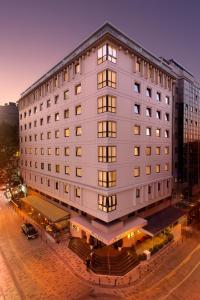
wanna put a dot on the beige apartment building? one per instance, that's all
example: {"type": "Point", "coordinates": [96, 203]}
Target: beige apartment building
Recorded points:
{"type": "Point", "coordinates": [96, 136]}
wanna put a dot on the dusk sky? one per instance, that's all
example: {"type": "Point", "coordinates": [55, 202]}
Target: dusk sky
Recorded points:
{"type": "Point", "coordinates": [35, 35]}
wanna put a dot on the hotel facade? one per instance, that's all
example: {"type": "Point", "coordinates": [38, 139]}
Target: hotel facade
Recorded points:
{"type": "Point", "coordinates": [96, 136]}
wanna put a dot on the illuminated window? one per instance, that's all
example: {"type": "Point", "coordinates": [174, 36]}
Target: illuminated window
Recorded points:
{"type": "Point", "coordinates": [166, 99]}
{"type": "Point", "coordinates": [136, 130]}
{"type": "Point", "coordinates": [107, 178]}
{"type": "Point", "coordinates": [77, 68]}
{"type": "Point", "coordinates": [48, 103]}
{"type": "Point", "coordinates": [66, 95]}
{"type": "Point", "coordinates": [107, 52]}
{"type": "Point", "coordinates": [65, 75]}
{"type": "Point", "coordinates": [78, 89]}
{"type": "Point", "coordinates": [107, 129]}
{"type": "Point", "coordinates": [166, 150]}
{"type": "Point", "coordinates": [79, 151]}
{"type": "Point", "coordinates": [136, 172]}
{"type": "Point", "coordinates": [106, 78]}
{"type": "Point", "coordinates": [57, 117]}
{"type": "Point", "coordinates": [148, 170]}
{"type": "Point", "coordinates": [57, 168]}
{"type": "Point", "coordinates": [48, 151]}
{"type": "Point", "coordinates": [79, 172]}
{"type": "Point", "coordinates": [148, 150]}
{"type": "Point", "coordinates": [67, 151]}
{"type": "Point", "coordinates": [66, 113]}
{"type": "Point", "coordinates": [67, 132]}
{"type": "Point", "coordinates": [78, 110]}
{"type": "Point", "coordinates": [158, 132]}
{"type": "Point", "coordinates": [57, 151]}
{"type": "Point", "coordinates": [78, 131]}
{"type": "Point", "coordinates": [78, 192]}
{"type": "Point", "coordinates": [136, 151]}
{"type": "Point", "coordinates": [107, 203]}
{"type": "Point", "coordinates": [157, 168]}
{"type": "Point", "coordinates": [107, 104]}
{"type": "Point", "coordinates": [167, 167]}
{"type": "Point", "coordinates": [148, 131]}
{"type": "Point", "coordinates": [158, 151]}
{"type": "Point", "coordinates": [67, 170]}
{"type": "Point", "coordinates": [138, 66]}
{"type": "Point", "coordinates": [167, 117]}
{"type": "Point", "coordinates": [107, 153]}
{"type": "Point", "coordinates": [137, 87]}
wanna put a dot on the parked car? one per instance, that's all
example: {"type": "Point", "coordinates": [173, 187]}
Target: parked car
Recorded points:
{"type": "Point", "coordinates": [29, 230]}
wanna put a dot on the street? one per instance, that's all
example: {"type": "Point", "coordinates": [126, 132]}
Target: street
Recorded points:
{"type": "Point", "coordinates": [29, 269]}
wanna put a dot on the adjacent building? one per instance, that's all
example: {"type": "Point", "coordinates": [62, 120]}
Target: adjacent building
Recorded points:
{"type": "Point", "coordinates": [9, 114]}
{"type": "Point", "coordinates": [96, 136]}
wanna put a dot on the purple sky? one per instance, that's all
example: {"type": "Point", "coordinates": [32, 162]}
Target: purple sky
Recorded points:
{"type": "Point", "coordinates": [36, 34]}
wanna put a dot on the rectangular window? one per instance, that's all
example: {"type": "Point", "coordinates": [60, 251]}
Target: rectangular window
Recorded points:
{"type": "Point", "coordinates": [66, 188]}
{"type": "Point", "coordinates": [107, 129]}
{"type": "Point", "coordinates": [107, 52]}
{"type": "Point", "coordinates": [57, 134]}
{"type": "Point", "coordinates": [57, 151]}
{"type": "Point", "coordinates": [136, 130]}
{"type": "Point", "coordinates": [77, 68]}
{"type": "Point", "coordinates": [107, 103]}
{"type": "Point", "coordinates": [78, 131]}
{"type": "Point", "coordinates": [42, 166]}
{"type": "Point", "coordinates": [57, 168]}
{"type": "Point", "coordinates": [107, 178]}
{"type": "Point", "coordinates": [56, 99]}
{"type": "Point", "coordinates": [158, 132]}
{"type": "Point", "coordinates": [136, 151]}
{"type": "Point", "coordinates": [41, 121]}
{"type": "Point", "coordinates": [148, 170]}
{"type": "Point", "coordinates": [136, 172]}
{"type": "Point", "coordinates": [66, 95]}
{"type": "Point", "coordinates": [137, 193]}
{"type": "Point", "coordinates": [158, 114]}
{"type": "Point", "coordinates": [67, 151]}
{"type": "Point", "coordinates": [137, 87]}
{"type": "Point", "coordinates": [166, 150]}
{"type": "Point", "coordinates": [41, 106]}
{"type": "Point", "coordinates": [167, 167]}
{"type": "Point", "coordinates": [148, 112]}
{"type": "Point", "coordinates": [66, 113]}
{"type": "Point", "coordinates": [48, 135]}
{"type": "Point", "coordinates": [78, 110]}
{"type": "Point", "coordinates": [106, 78]}
{"type": "Point", "coordinates": [148, 92]}
{"type": "Point", "coordinates": [137, 109]}
{"type": "Point", "coordinates": [42, 136]}
{"type": "Point", "coordinates": [67, 170]}
{"type": "Point", "coordinates": [78, 89]}
{"type": "Point", "coordinates": [138, 66]}
{"type": "Point", "coordinates": [167, 117]}
{"type": "Point", "coordinates": [48, 103]}
{"type": "Point", "coordinates": [107, 203]}
{"type": "Point", "coordinates": [48, 119]}
{"type": "Point", "coordinates": [67, 132]}
{"type": "Point", "coordinates": [157, 168]}
{"type": "Point", "coordinates": [79, 172]}
{"type": "Point", "coordinates": [148, 150]}
{"type": "Point", "coordinates": [148, 131]}
{"type": "Point", "coordinates": [158, 96]}
{"type": "Point", "coordinates": [166, 99]}
{"type": "Point", "coordinates": [79, 151]}
{"type": "Point", "coordinates": [78, 192]}
{"type": "Point", "coordinates": [158, 151]}
{"type": "Point", "coordinates": [107, 153]}
{"type": "Point", "coordinates": [166, 133]}
{"type": "Point", "coordinates": [57, 117]}
{"type": "Point", "coordinates": [48, 151]}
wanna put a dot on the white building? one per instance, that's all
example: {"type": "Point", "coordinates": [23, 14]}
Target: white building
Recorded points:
{"type": "Point", "coordinates": [96, 134]}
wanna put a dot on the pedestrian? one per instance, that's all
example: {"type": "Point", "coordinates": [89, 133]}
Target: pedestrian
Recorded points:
{"type": "Point", "coordinates": [87, 262]}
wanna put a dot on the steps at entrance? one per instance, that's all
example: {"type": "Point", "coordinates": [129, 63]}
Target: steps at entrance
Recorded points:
{"type": "Point", "coordinates": [118, 264]}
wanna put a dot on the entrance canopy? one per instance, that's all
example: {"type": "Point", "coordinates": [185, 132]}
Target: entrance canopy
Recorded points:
{"type": "Point", "coordinates": [47, 209]}
{"type": "Point", "coordinates": [162, 219]}
{"type": "Point", "coordinates": [108, 234]}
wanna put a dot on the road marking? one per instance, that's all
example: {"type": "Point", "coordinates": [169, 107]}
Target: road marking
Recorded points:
{"type": "Point", "coordinates": [181, 282]}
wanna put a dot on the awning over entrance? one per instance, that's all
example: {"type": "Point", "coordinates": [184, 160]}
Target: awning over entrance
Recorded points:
{"type": "Point", "coordinates": [108, 234]}
{"type": "Point", "coordinates": [47, 209]}
{"type": "Point", "coordinates": [161, 220]}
